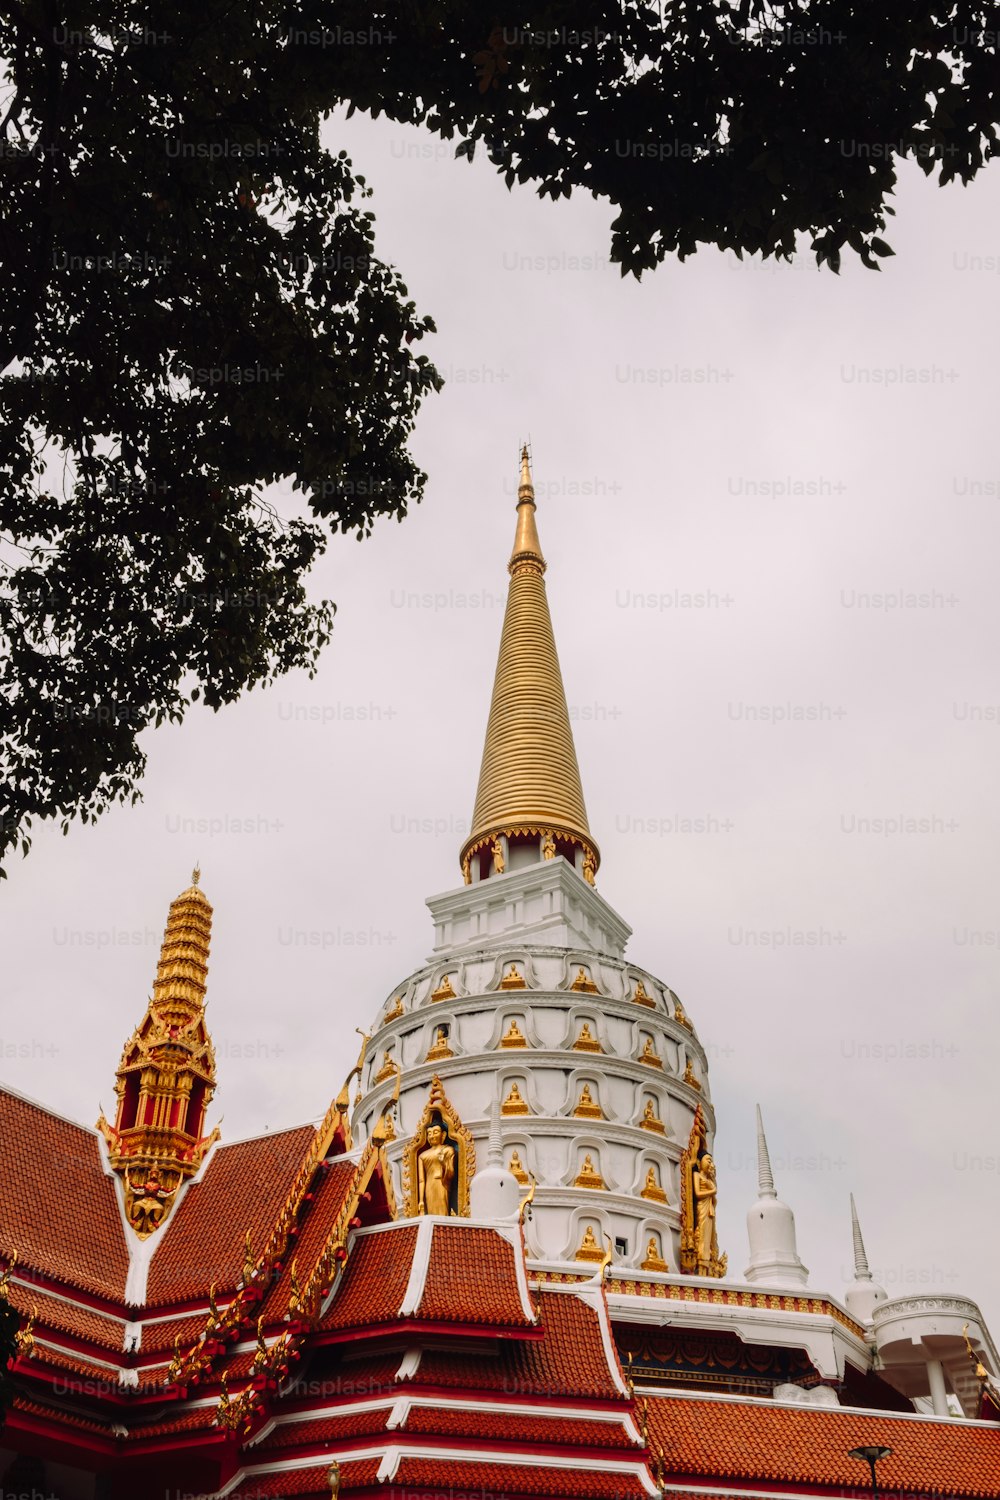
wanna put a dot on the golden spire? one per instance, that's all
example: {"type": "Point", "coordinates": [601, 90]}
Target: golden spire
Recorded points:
{"type": "Point", "coordinates": [529, 782]}
{"type": "Point", "coordinates": [166, 1077]}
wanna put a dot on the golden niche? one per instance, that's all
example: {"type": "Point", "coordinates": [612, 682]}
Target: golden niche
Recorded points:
{"type": "Point", "coordinates": [513, 979]}
{"type": "Point", "coordinates": [651, 1188]}
{"type": "Point", "coordinates": [589, 1248]}
{"type": "Point", "coordinates": [649, 1055]}
{"type": "Point", "coordinates": [440, 1048]}
{"type": "Point", "coordinates": [583, 984]}
{"type": "Point", "coordinates": [588, 1175]}
{"type": "Point", "coordinates": [699, 1244]}
{"type": "Point", "coordinates": [513, 1036]}
{"type": "Point", "coordinates": [514, 1104]}
{"type": "Point", "coordinates": [680, 1014]}
{"type": "Point", "coordinates": [640, 997]}
{"type": "Point", "coordinates": [587, 1041]}
{"type": "Point", "coordinates": [394, 1011]}
{"type": "Point", "coordinates": [651, 1120]}
{"type": "Point", "coordinates": [439, 1161]}
{"type": "Point", "coordinates": [587, 1107]}
{"type": "Point", "coordinates": [444, 990]}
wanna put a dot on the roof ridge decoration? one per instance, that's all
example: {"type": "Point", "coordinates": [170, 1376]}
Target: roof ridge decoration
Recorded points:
{"type": "Point", "coordinates": [699, 1248]}
{"type": "Point", "coordinates": [166, 1077]}
{"type": "Point", "coordinates": [529, 780]}
{"type": "Point", "coordinates": [438, 1172]}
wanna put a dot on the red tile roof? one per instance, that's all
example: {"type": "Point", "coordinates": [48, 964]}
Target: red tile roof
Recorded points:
{"type": "Point", "coordinates": [68, 1317]}
{"type": "Point", "coordinates": [374, 1279]}
{"type": "Point", "coordinates": [245, 1187]}
{"type": "Point", "coordinates": [158, 1337]}
{"type": "Point", "coordinates": [472, 1278]}
{"type": "Point", "coordinates": [809, 1445]}
{"type": "Point", "coordinates": [529, 1426]}
{"type": "Point", "coordinates": [568, 1360]}
{"type": "Point", "coordinates": [329, 1193]}
{"type": "Point", "coordinates": [328, 1429]}
{"type": "Point", "coordinates": [52, 1169]}
{"type": "Point", "coordinates": [355, 1474]}
{"type": "Point", "coordinates": [438, 1474]}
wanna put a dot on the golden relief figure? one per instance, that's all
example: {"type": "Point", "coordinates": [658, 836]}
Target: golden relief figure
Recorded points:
{"type": "Point", "coordinates": [649, 1055]}
{"type": "Point", "coordinates": [589, 866]}
{"type": "Point", "coordinates": [440, 1048]}
{"type": "Point", "coordinates": [148, 1199]}
{"type": "Point", "coordinates": [651, 1120]}
{"type": "Point", "coordinates": [691, 1077]}
{"type": "Point", "coordinates": [513, 979]}
{"type": "Point", "coordinates": [549, 847]}
{"type": "Point", "coordinates": [516, 1168]}
{"type": "Point", "coordinates": [589, 1248]}
{"type": "Point", "coordinates": [444, 990]}
{"type": "Point", "coordinates": [699, 1253]}
{"type": "Point", "coordinates": [654, 1260]}
{"type": "Point", "coordinates": [513, 1036]}
{"type": "Point", "coordinates": [640, 997]}
{"type": "Point", "coordinates": [394, 1010]}
{"type": "Point", "coordinates": [387, 1069]}
{"type": "Point", "coordinates": [587, 1107]}
{"type": "Point", "coordinates": [588, 1175]}
{"type": "Point", "coordinates": [583, 984]}
{"type": "Point", "coordinates": [435, 1172]}
{"type": "Point", "coordinates": [652, 1189]}
{"type": "Point", "coordinates": [514, 1104]}
{"type": "Point", "coordinates": [496, 848]}
{"type": "Point", "coordinates": [587, 1041]}
{"type": "Point", "coordinates": [439, 1161]}
{"type": "Point", "coordinates": [705, 1193]}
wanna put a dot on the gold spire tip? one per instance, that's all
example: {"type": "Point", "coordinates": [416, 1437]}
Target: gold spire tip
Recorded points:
{"type": "Point", "coordinates": [525, 490]}
{"type": "Point", "coordinates": [196, 874]}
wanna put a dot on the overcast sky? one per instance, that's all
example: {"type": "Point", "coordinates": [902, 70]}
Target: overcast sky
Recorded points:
{"type": "Point", "coordinates": [772, 573]}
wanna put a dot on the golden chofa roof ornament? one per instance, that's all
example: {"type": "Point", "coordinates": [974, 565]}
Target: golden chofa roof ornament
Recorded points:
{"type": "Point", "coordinates": [166, 1077]}
{"type": "Point", "coordinates": [529, 804]}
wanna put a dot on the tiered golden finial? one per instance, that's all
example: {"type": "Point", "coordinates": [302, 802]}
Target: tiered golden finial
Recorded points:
{"type": "Point", "coordinates": [166, 1077]}
{"type": "Point", "coordinates": [529, 792]}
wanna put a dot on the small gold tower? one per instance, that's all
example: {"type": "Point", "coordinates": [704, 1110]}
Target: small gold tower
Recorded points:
{"type": "Point", "coordinates": [166, 1077]}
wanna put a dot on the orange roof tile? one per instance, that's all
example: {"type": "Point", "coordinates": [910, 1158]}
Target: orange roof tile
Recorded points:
{"type": "Point", "coordinates": [158, 1337]}
{"type": "Point", "coordinates": [568, 1360]}
{"type": "Point", "coordinates": [356, 1474]}
{"type": "Point", "coordinates": [472, 1277]}
{"type": "Point", "coordinates": [68, 1317]}
{"type": "Point", "coordinates": [519, 1479]}
{"type": "Point", "coordinates": [58, 1208]}
{"type": "Point", "coordinates": [245, 1187]}
{"type": "Point", "coordinates": [530, 1426]}
{"type": "Point", "coordinates": [328, 1429]}
{"type": "Point", "coordinates": [329, 1192]}
{"type": "Point", "coordinates": [374, 1279]}
{"type": "Point", "coordinates": [809, 1445]}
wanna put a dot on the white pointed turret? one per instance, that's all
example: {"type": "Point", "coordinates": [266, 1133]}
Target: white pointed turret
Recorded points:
{"type": "Point", "coordinates": [494, 1193]}
{"type": "Point", "coordinates": [774, 1259]}
{"type": "Point", "coordinates": [864, 1294]}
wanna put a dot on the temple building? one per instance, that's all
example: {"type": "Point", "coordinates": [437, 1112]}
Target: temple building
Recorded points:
{"type": "Point", "coordinates": [496, 1271]}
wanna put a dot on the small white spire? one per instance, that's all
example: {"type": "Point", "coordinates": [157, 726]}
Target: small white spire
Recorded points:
{"type": "Point", "coordinates": [494, 1149]}
{"type": "Point", "coordinates": [774, 1258]}
{"type": "Point", "coordinates": [864, 1293]}
{"type": "Point", "coordinates": [861, 1271]}
{"type": "Point", "coordinates": [765, 1177]}
{"type": "Point", "coordinates": [494, 1191]}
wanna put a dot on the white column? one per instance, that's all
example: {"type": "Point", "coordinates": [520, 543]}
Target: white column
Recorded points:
{"type": "Point", "coordinates": [939, 1396]}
